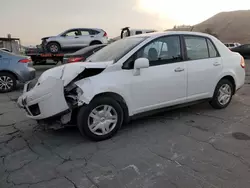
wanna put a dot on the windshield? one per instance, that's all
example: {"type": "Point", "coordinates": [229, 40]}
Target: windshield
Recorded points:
{"type": "Point", "coordinates": [116, 50]}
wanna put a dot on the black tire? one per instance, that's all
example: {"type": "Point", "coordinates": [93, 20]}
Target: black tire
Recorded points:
{"type": "Point", "coordinates": [84, 112]}
{"type": "Point", "coordinates": [215, 103]}
{"type": "Point", "coordinates": [95, 43]}
{"type": "Point", "coordinates": [53, 47]}
{"type": "Point", "coordinates": [11, 79]}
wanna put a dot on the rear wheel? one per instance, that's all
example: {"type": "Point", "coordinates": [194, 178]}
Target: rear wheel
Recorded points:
{"type": "Point", "coordinates": [100, 119]}
{"type": "Point", "coordinates": [222, 95]}
{"type": "Point", "coordinates": [7, 82]}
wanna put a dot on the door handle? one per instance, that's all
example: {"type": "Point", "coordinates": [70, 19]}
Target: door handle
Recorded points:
{"type": "Point", "coordinates": [76, 37]}
{"type": "Point", "coordinates": [179, 69]}
{"type": "Point", "coordinates": [216, 64]}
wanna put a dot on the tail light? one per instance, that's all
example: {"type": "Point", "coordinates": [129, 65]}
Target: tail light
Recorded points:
{"type": "Point", "coordinates": [24, 61]}
{"type": "Point", "coordinates": [105, 34]}
{"type": "Point", "coordinates": [242, 63]}
{"type": "Point", "coordinates": [75, 59]}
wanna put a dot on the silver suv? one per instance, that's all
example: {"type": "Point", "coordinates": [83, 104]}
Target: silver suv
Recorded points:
{"type": "Point", "coordinates": [75, 38]}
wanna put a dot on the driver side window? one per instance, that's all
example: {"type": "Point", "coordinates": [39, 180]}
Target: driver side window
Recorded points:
{"type": "Point", "coordinates": [72, 33]}
{"type": "Point", "coordinates": [162, 51]}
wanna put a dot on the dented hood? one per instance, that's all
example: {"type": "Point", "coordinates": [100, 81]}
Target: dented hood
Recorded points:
{"type": "Point", "coordinates": [70, 71]}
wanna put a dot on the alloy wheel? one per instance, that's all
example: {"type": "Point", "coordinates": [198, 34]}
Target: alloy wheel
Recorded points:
{"type": "Point", "coordinates": [6, 83]}
{"type": "Point", "coordinates": [102, 120]}
{"type": "Point", "coordinates": [225, 94]}
{"type": "Point", "coordinates": [54, 48]}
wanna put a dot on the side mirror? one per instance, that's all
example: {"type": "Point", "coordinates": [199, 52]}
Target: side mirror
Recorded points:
{"type": "Point", "coordinates": [140, 63]}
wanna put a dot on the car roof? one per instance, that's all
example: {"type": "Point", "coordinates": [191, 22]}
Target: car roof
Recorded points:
{"type": "Point", "coordinates": [142, 29]}
{"type": "Point", "coordinates": [85, 28]}
{"type": "Point", "coordinates": [158, 34]}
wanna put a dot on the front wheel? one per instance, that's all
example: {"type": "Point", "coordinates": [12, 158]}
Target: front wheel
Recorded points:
{"type": "Point", "coordinates": [53, 47]}
{"type": "Point", "coordinates": [222, 95]}
{"type": "Point", "coordinates": [100, 119]}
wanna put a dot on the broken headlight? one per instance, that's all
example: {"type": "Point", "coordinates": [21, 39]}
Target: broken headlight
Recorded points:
{"type": "Point", "coordinates": [69, 88]}
{"type": "Point", "coordinates": [72, 92]}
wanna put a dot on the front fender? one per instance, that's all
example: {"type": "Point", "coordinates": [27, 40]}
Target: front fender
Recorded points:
{"type": "Point", "coordinates": [89, 92]}
{"type": "Point", "coordinates": [49, 40]}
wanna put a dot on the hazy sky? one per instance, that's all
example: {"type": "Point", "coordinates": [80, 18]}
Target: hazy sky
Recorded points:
{"type": "Point", "coordinates": [31, 20]}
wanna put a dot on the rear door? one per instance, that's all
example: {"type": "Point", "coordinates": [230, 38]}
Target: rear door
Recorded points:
{"type": "Point", "coordinates": [204, 66]}
{"type": "Point", "coordinates": [4, 60]}
{"type": "Point", "coordinates": [87, 35]}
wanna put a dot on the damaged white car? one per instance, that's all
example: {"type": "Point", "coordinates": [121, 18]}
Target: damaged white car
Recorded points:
{"type": "Point", "coordinates": [135, 75]}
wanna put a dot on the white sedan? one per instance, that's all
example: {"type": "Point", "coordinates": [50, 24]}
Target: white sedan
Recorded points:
{"type": "Point", "coordinates": [134, 75]}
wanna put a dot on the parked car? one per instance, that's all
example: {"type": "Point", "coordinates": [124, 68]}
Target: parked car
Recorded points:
{"type": "Point", "coordinates": [75, 38]}
{"type": "Point", "coordinates": [244, 50]}
{"type": "Point", "coordinates": [14, 68]}
{"type": "Point", "coordinates": [232, 45]}
{"type": "Point", "coordinates": [83, 54]}
{"type": "Point", "coordinates": [126, 31]}
{"type": "Point", "coordinates": [135, 75]}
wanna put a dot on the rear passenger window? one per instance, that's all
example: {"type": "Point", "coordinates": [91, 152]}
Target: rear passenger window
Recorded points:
{"type": "Point", "coordinates": [94, 32]}
{"type": "Point", "coordinates": [196, 47]}
{"type": "Point", "coordinates": [212, 50]}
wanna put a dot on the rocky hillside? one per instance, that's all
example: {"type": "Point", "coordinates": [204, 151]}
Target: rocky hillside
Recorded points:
{"type": "Point", "coordinates": [228, 26]}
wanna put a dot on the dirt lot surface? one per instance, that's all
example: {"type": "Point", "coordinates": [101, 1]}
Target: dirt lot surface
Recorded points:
{"type": "Point", "coordinates": [193, 147]}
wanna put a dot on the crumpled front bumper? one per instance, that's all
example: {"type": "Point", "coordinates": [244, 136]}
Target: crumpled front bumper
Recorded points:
{"type": "Point", "coordinates": [44, 100]}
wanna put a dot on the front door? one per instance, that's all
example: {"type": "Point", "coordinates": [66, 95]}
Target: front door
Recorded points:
{"type": "Point", "coordinates": [204, 67]}
{"type": "Point", "coordinates": [164, 83]}
{"type": "Point", "coordinates": [71, 38]}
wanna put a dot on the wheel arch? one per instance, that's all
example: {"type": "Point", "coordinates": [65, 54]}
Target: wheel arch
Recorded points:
{"type": "Point", "coordinates": [53, 41]}
{"type": "Point", "coordinates": [231, 79]}
{"type": "Point", "coordinates": [95, 42]}
{"type": "Point", "coordinates": [10, 72]}
{"type": "Point", "coordinates": [119, 99]}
